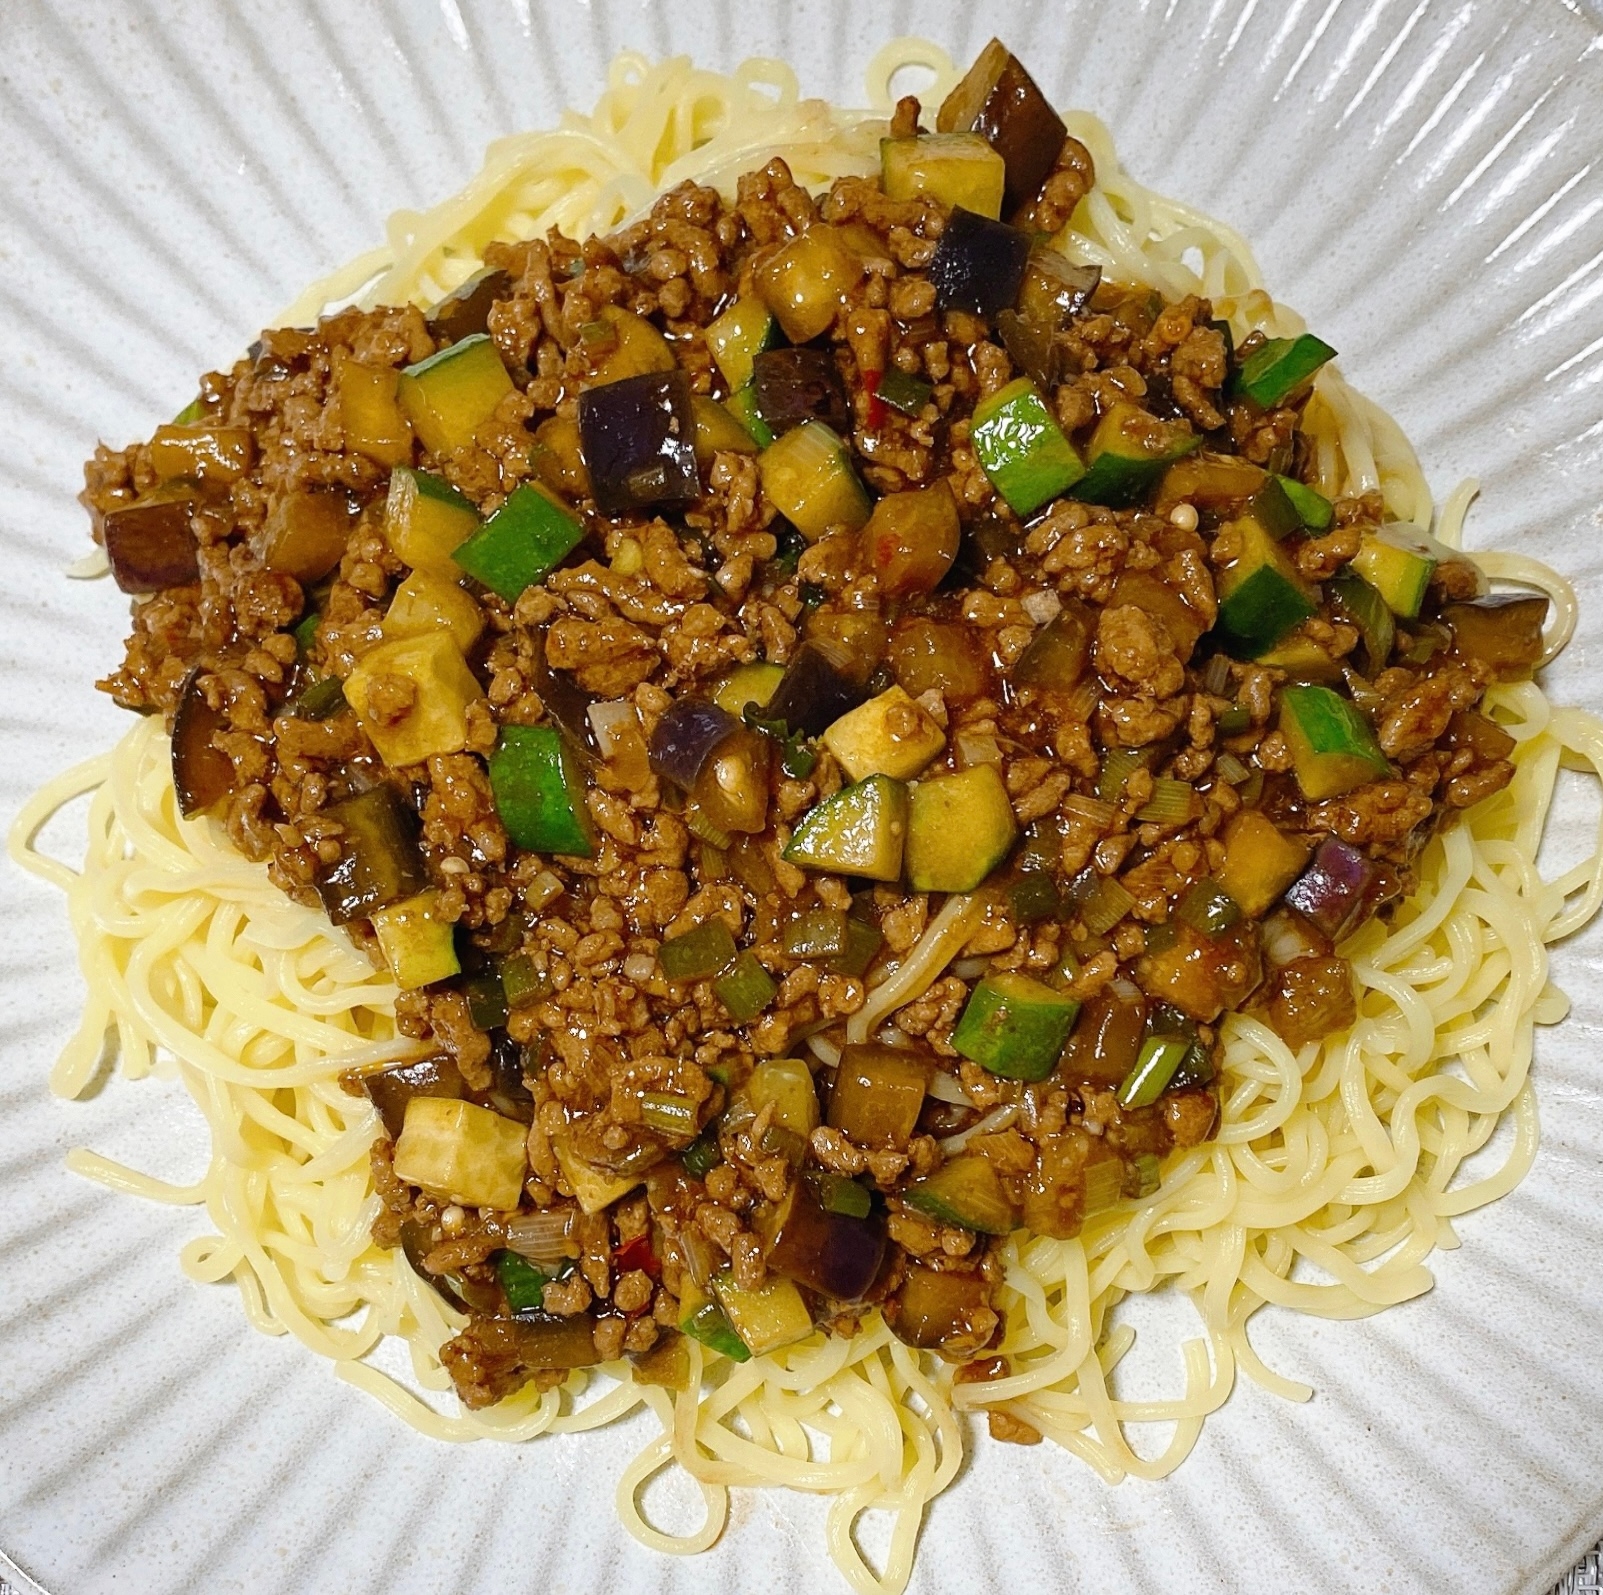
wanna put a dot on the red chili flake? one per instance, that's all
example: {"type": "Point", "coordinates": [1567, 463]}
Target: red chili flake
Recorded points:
{"type": "Point", "coordinates": [637, 1254]}
{"type": "Point", "coordinates": [876, 405]}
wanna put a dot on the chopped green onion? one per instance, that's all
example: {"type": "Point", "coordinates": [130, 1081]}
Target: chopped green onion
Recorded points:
{"type": "Point", "coordinates": [521, 1282]}
{"type": "Point", "coordinates": [194, 411]}
{"type": "Point", "coordinates": [321, 701]}
{"type": "Point", "coordinates": [1207, 907]}
{"type": "Point", "coordinates": [746, 989]}
{"type": "Point", "coordinates": [1172, 803]}
{"type": "Point", "coordinates": [1315, 510]}
{"type": "Point", "coordinates": [837, 1194]}
{"type": "Point", "coordinates": [487, 1003]}
{"type": "Point", "coordinates": [817, 933]}
{"type": "Point", "coordinates": [1231, 768]}
{"type": "Point", "coordinates": [780, 1140]}
{"type": "Point", "coordinates": [1147, 1081]}
{"type": "Point", "coordinates": [305, 632]}
{"type": "Point", "coordinates": [1369, 613]}
{"type": "Point", "coordinates": [902, 392]}
{"type": "Point", "coordinates": [699, 826]}
{"type": "Point", "coordinates": [1145, 1175]}
{"type": "Point", "coordinates": [521, 981]}
{"type": "Point", "coordinates": [1118, 765]}
{"type": "Point", "coordinates": [668, 1114]}
{"type": "Point", "coordinates": [708, 1325]}
{"type": "Point", "coordinates": [1104, 1184]}
{"type": "Point", "coordinates": [863, 942]}
{"type": "Point", "coordinates": [1032, 897]}
{"type": "Point", "coordinates": [1196, 1069]}
{"type": "Point", "coordinates": [1216, 677]}
{"type": "Point", "coordinates": [1104, 904]}
{"type": "Point", "coordinates": [1234, 720]}
{"type": "Point", "coordinates": [699, 953]}
{"type": "Point", "coordinates": [703, 1154]}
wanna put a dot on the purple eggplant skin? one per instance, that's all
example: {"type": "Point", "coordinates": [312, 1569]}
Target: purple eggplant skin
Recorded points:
{"type": "Point", "coordinates": [466, 309]}
{"type": "Point", "coordinates": [1021, 126]}
{"type": "Point", "coordinates": [1339, 889]}
{"type": "Point", "coordinates": [979, 264]}
{"type": "Point", "coordinates": [795, 385]}
{"type": "Point", "coordinates": [638, 437]}
{"type": "Point", "coordinates": [686, 737]}
{"type": "Point", "coordinates": [202, 774]}
{"type": "Point", "coordinates": [833, 1253]}
{"type": "Point", "coordinates": [389, 1090]}
{"type": "Point", "coordinates": [379, 860]}
{"type": "Point", "coordinates": [819, 685]}
{"type": "Point", "coordinates": [149, 544]}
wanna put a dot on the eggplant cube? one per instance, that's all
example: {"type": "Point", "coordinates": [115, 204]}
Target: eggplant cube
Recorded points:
{"type": "Point", "coordinates": [149, 543]}
{"type": "Point", "coordinates": [639, 442]}
{"type": "Point", "coordinates": [979, 264]}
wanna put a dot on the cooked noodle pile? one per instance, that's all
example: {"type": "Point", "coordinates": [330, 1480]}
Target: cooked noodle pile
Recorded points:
{"type": "Point", "coordinates": [1336, 1170]}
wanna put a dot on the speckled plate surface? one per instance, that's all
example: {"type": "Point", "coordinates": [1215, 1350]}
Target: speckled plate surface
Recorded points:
{"type": "Point", "coordinates": [1423, 179]}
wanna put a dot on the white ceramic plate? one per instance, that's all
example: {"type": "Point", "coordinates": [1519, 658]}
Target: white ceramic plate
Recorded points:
{"type": "Point", "coordinates": [1422, 179]}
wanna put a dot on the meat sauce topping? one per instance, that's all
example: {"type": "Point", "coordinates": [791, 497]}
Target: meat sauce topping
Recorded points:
{"type": "Point", "coordinates": [639, 651]}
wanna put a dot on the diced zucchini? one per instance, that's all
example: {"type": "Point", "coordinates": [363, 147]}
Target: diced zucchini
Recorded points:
{"type": "Point", "coordinates": [427, 602]}
{"type": "Point", "coordinates": [1369, 612]}
{"type": "Point", "coordinates": [808, 477]}
{"type": "Point", "coordinates": [904, 393]}
{"type": "Point", "coordinates": [742, 404]}
{"type": "Point", "coordinates": [442, 688]}
{"type": "Point", "coordinates": [594, 1189]}
{"type": "Point", "coordinates": [959, 828]}
{"type": "Point", "coordinates": [1261, 861]}
{"type": "Point", "coordinates": [620, 344]}
{"type": "Point", "coordinates": [861, 830]}
{"type": "Point", "coordinates": [1302, 659]}
{"type": "Point", "coordinates": [1128, 454]}
{"type": "Point", "coordinates": [737, 336]}
{"type": "Point", "coordinates": [746, 988]}
{"type": "Point", "coordinates": [1332, 746]}
{"type": "Point", "coordinates": [765, 1319]}
{"type": "Point", "coordinates": [1022, 449]}
{"type": "Point", "coordinates": [753, 683]}
{"type": "Point", "coordinates": [202, 452]}
{"type": "Point", "coordinates": [1275, 370]}
{"type": "Point", "coordinates": [965, 1191]}
{"type": "Point", "coordinates": [718, 431]}
{"type": "Point", "coordinates": [1261, 596]}
{"type": "Point", "coordinates": [703, 1319]}
{"type": "Point", "coordinates": [462, 1152]}
{"type": "Point", "coordinates": [1398, 561]}
{"type": "Point", "coordinates": [805, 283]}
{"type": "Point", "coordinates": [879, 1093]}
{"type": "Point", "coordinates": [863, 942]}
{"type": "Point", "coordinates": [449, 396]}
{"type": "Point", "coordinates": [418, 945]}
{"type": "Point", "coordinates": [1015, 1026]}
{"type": "Point", "coordinates": [425, 519]}
{"type": "Point", "coordinates": [1272, 509]}
{"type": "Point", "coordinates": [787, 1083]}
{"type": "Point", "coordinates": [954, 168]}
{"type": "Point", "coordinates": [540, 792]}
{"type": "Point", "coordinates": [522, 543]}
{"type": "Point", "coordinates": [370, 413]}
{"type": "Point", "coordinates": [1315, 510]}
{"type": "Point", "coordinates": [889, 735]}
{"type": "Point", "coordinates": [1060, 652]}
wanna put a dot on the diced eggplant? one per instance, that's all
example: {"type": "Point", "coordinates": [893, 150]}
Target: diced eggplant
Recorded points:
{"type": "Point", "coordinates": [1503, 633]}
{"type": "Point", "coordinates": [1340, 888]}
{"type": "Point", "coordinates": [306, 533]}
{"type": "Point", "coordinates": [370, 413]}
{"type": "Point", "coordinates": [379, 860]}
{"type": "Point", "coordinates": [912, 538]}
{"type": "Point", "coordinates": [685, 738]}
{"type": "Point", "coordinates": [1486, 740]}
{"type": "Point", "coordinates": [558, 458]}
{"type": "Point", "coordinates": [966, 1191]}
{"type": "Point", "coordinates": [1107, 1038]}
{"type": "Point", "coordinates": [1150, 592]}
{"type": "Point", "coordinates": [879, 1092]}
{"type": "Point", "coordinates": [1201, 975]}
{"type": "Point", "coordinates": [202, 452]}
{"type": "Point", "coordinates": [934, 1309]}
{"type": "Point", "coordinates": [999, 100]}
{"type": "Point", "coordinates": [979, 264]}
{"type": "Point", "coordinates": [391, 1089]}
{"type": "Point", "coordinates": [466, 309]}
{"type": "Point", "coordinates": [639, 439]}
{"type": "Point", "coordinates": [1055, 289]}
{"type": "Point", "coordinates": [925, 653]}
{"type": "Point", "coordinates": [1075, 1174]}
{"type": "Point", "coordinates": [806, 282]}
{"type": "Point", "coordinates": [149, 543]}
{"type": "Point", "coordinates": [1260, 862]}
{"type": "Point", "coordinates": [821, 682]}
{"type": "Point", "coordinates": [835, 1254]}
{"type": "Point", "coordinates": [202, 773]}
{"type": "Point", "coordinates": [790, 386]}
{"type": "Point", "coordinates": [1214, 484]}
{"type": "Point", "coordinates": [1059, 653]}
{"type": "Point", "coordinates": [1309, 999]}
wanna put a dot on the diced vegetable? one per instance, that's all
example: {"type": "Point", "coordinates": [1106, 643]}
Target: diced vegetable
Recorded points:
{"type": "Point", "coordinates": [425, 518]}
{"type": "Point", "coordinates": [1502, 633]}
{"type": "Point", "coordinates": [595, 1190]}
{"type": "Point", "coordinates": [964, 1191]}
{"type": "Point", "coordinates": [835, 1253]}
{"type": "Point", "coordinates": [539, 792]}
{"type": "Point", "coordinates": [1106, 1040]}
{"type": "Point", "coordinates": [787, 1083]}
{"type": "Point", "coordinates": [1100, 900]}
{"type": "Point", "coordinates": [522, 543]}
{"type": "Point", "coordinates": [939, 654]}
{"type": "Point", "coordinates": [462, 1152]}
{"type": "Point", "coordinates": [1369, 612]}
{"type": "Point", "coordinates": [1302, 659]}
{"type": "Point", "coordinates": [703, 1319]}
{"type": "Point", "coordinates": [1022, 449]}
{"type": "Point", "coordinates": [766, 1319]}
{"type": "Point", "coordinates": [391, 1089]}
{"type": "Point", "coordinates": [737, 336]}
{"type": "Point", "coordinates": [441, 688]}
{"type": "Point", "coordinates": [521, 1282]}
{"type": "Point", "coordinates": [718, 431]}
{"type": "Point", "coordinates": [753, 683]}
{"type": "Point", "coordinates": [935, 1309]}
{"type": "Point", "coordinates": [1275, 370]}
{"type": "Point", "coordinates": [1332, 746]}
{"type": "Point", "coordinates": [1056, 289]}
{"type": "Point", "coordinates": [1340, 888]}
{"type": "Point", "coordinates": [665, 1365]}
{"type": "Point", "coordinates": [202, 773]}
{"type": "Point", "coordinates": [466, 309]}
{"type": "Point", "coordinates": [742, 405]}
{"type": "Point", "coordinates": [698, 954]}
{"type": "Point", "coordinates": [379, 860]}
{"type": "Point", "coordinates": [427, 602]}
{"type": "Point", "coordinates": [1172, 802]}
{"type": "Point", "coordinates": [1313, 509]}
{"type": "Point", "coordinates": [879, 1092]}
{"type": "Point", "coordinates": [999, 100]}
{"type": "Point", "coordinates": [838, 1194]}
{"type": "Point", "coordinates": [639, 440]}
{"type": "Point", "coordinates": [821, 682]}
{"type": "Point", "coordinates": [959, 828]}
{"type": "Point", "coordinates": [817, 933]}
{"type": "Point", "coordinates": [1015, 1026]}
{"type": "Point", "coordinates": [905, 394]}
{"type": "Point", "coordinates": [1309, 999]}
{"type": "Point", "coordinates": [806, 282]}
{"type": "Point", "coordinates": [685, 738]}
{"type": "Point", "coordinates": [1261, 861]}
{"type": "Point", "coordinates": [417, 944]}
{"type": "Point", "coordinates": [1398, 561]}
{"type": "Point", "coordinates": [958, 169]}
{"type": "Point", "coordinates": [202, 452]}
{"type": "Point", "coordinates": [746, 988]}
{"type": "Point", "coordinates": [889, 735]}
{"type": "Point", "coordinates": [703, 1155]}
{"type": "Point", "coordinates": [486, 999]}
{"type": "Point", "coordinates": [1261, 596]}
{"type": "Point", "coordinates": [668, 1114]}
{"type": "Point", "coordinates": [558, 457]}
{"type": "Point", "coordinates": [863, 942]}
{"type": "Point", "coordinates": [149, 543]}
{"type": "Point", "coordinates": [790, 386]}
{"type": "Point", "coordinates": [1216, 484]}
{"type": "Point", "coordinates": [1032, 898]}
{"type": "Point", "coordinates": [808, 477]}
{"type": "Point", "coordinates": [618, 344]}
{"type": "Point", "coordinates": [1208, 907]}
{"type": "Point", "coordinates": [1200, 975]}
{"type": "Point", "coordinates": [1271, 509]}
{"type": "Point", "coordinates": [1128, 454]}
{"type": "Point", "coordinates": [978, 264]}
{"type": "Point", "coordinates": [1147, 1081]}
{"type": "Point", "coordinates": [911, 539]}
{"type": "Point", "coordinates": [1058, 1190]}
{"type": "Point", "coordinates": [306, 532]}
{"type": "Point", "coordinates": [449, 396]}
{"type": "Point", "coordinates": [370, 413]}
